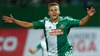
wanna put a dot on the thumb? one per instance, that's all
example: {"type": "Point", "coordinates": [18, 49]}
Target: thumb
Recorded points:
{"type": "Point", "coordinates": [87, 9]}
{"type": "Point", "coordinates": [11, 16]}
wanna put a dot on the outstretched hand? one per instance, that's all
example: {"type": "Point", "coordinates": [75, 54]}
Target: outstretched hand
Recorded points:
{"type": "Point", "coordinates": [8, 19]}
{"type": "Point", "coordinates": [91, 11]}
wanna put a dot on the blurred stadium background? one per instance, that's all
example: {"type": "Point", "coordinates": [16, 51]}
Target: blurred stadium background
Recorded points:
{"type": "Point", "coordinates": [15, 40]}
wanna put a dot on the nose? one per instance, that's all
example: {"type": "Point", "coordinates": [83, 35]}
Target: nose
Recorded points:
{"type": "Point", "coordinates": [54, 11]}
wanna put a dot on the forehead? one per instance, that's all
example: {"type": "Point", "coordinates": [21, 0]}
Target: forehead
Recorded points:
{"type": "Point", "coordinates": [54, 7]}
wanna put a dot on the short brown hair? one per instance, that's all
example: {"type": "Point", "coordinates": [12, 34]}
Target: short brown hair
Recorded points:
{"type": "Point", "coordinates": [53, 4]}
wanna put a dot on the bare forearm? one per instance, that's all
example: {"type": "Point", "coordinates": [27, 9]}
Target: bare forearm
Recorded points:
{"type": "Point", "coordinates": [33, 51]}
{"type": "Point", "coordinates": [84, 20]}
{"type": "Point", "coordinates": [22, 23]}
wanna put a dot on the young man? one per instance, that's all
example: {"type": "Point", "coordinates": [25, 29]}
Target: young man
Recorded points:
{"type": "Point", "coordinates": [56, 29]}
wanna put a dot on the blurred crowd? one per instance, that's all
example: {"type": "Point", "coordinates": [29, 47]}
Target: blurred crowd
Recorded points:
{"type": "Point", "coordinates": [45, 2]}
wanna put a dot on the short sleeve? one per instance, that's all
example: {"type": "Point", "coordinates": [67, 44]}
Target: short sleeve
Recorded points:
{"type": "Point", "coordinates": [73, 22]}
{"type": "Point", "coordinates": [38, 24]}
{"type": "Point", "coordinates": [39, 46]}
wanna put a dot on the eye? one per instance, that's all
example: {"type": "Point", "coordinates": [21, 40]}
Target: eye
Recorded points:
{"type": "Point", "coordinates": [55, 9]}
{"type": "Point", "coordinates": [51, 10]}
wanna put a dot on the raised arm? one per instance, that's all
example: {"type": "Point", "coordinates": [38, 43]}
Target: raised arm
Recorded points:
{"type": "Point", "coordinates": [88, 16]}
{"type": "Point", "coordinates": [18, 22]}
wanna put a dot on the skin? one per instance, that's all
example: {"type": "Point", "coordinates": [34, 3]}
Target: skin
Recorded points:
{"type": "Point", "coordinates": [53, 13]}
{"type": "Point", "coordinates": [33, 51]}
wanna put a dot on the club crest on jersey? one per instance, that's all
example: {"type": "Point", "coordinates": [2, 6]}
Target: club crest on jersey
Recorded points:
{"type": "Point", "coordinates": [56, 32]}
{"type": "Point", "coordinates": [62, 26]}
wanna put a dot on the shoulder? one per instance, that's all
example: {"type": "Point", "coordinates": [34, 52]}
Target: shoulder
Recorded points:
{"type": "Point", "coordinates": [68, 18]}
{"type": "Point", "coordinates": [43, 20]}
{"type": "Point", "coordinates": [46, 18]}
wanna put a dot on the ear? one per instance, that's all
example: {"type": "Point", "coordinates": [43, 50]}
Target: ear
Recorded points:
{"type": "Point", "coordinates": [59, 11]}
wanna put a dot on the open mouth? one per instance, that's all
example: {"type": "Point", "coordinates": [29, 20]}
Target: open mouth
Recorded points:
{"type": "Point", "coordinates": [54, 14]}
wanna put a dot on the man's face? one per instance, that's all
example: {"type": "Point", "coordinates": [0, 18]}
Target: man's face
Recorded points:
{"type": "Point", "coordinates": [54, 12]}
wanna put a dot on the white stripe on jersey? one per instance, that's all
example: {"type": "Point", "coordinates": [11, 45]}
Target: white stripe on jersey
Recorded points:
{"type": "Point", "coordinates": [52, 40]}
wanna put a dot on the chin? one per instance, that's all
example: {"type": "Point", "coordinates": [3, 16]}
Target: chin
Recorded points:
{"type": "Point", "coordinates": [54, 18]}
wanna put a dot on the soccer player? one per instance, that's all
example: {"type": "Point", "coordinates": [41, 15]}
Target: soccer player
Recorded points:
{"type": "Point", "coordinates": [56, 29]}
{"type": "Point", "coordinates": [42, 46]}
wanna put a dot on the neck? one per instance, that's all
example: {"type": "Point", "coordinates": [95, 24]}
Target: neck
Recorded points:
{"type": "Point", "coordinates": [55, 20]}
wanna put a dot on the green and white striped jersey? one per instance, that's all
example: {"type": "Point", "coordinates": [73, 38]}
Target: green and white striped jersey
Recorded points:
{"type": "Point", "coordinates": [56, 34]}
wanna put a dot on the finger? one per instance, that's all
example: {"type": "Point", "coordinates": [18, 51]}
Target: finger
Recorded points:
{"type": "Point", "coordinates": [92, 7]}
{"type": "Point", "coordinates": [5, 17]}
{"type": "Point", "coordinates": [8, 21]}
{"type": "Point", "coordinates": [11, 16]}
{"type": "Point", "coordinates": [93, 10]}
{"type": "Point", "coordinates": [87, 9]}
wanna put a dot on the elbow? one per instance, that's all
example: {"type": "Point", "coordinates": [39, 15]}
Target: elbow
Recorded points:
{"type": "Point", "coordinates": [28, 25]}
{"type": "Point", "coordinates": [81, 23]}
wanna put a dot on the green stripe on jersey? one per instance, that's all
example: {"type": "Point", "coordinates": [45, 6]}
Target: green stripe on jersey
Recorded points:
{"type": "Point", "coordinates": [56, 34]}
